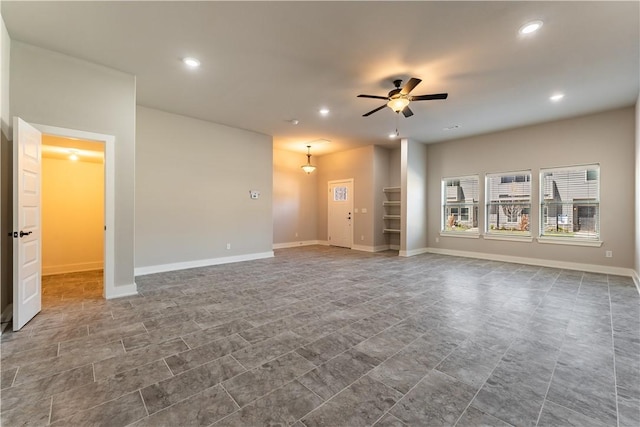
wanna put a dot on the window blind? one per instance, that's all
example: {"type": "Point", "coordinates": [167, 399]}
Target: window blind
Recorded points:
{"type": "Point", "coordinates": [570, 202]}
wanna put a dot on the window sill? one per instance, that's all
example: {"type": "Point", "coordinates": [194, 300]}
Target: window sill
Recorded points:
{"type": "Point", "coordinates": [462, 234]}
{"type": "Point", "coordinates": [569, 241]}
{"type": "Point", "coordinates": [526, 239]}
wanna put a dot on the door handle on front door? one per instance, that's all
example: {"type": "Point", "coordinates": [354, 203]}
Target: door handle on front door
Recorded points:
{"type": "Point", "coordinates": [22, 233]}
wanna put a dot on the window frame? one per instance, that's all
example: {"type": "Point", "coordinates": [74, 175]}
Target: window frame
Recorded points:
{"type": "Point", "coordinates": [496, 206]}
{"type": "Point", "coordinates": [575, 203]}
{"type": "Point", "coordinates": [471, 207]}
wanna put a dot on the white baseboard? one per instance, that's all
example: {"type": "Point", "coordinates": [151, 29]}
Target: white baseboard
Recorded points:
{"type": "Point", "coordinates": [141, 271]}
{"type": "Point", "coordinates": [121, 291]}
{"type": "Point", "coordinates": [370, 248]}
{"type": "Point", "coordinates": [591, 268]}
{"type": "Point", "coordinates": [296, 244]}
{"type": "Point", "coordinates": [394, 247]}
{"type": "Point", "coordinates": [636, 280]}
{"type": "Point", "coordinates": [72, 268]}
{"type": "Point", "coordinates": [413, 252]}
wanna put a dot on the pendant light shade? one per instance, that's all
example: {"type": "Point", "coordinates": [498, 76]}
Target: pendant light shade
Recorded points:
{"type": "Point", "coordinates": [308, 168]}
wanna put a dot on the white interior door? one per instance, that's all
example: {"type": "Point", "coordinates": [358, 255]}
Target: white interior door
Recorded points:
{"type": "Point", "coordinates": [340, 230]}
{"type": "Point", "coordinates": [27, 281]}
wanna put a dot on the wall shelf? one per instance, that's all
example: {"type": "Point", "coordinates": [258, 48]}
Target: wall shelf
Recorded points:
{"type": "Point", "coordinates": [392, 216]}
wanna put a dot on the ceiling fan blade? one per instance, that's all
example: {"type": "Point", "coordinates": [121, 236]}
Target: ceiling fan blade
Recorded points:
{"type": "Point", "coordinates": [407, 111]}
{"type": "Point", "coordinates": [373, 111]}
{"type": "Point", "coordinates": [411, 84]}
{"type": "Point", "coordinates": [429, 97]}
{"type": "Point", "coordinates": [372, 96]}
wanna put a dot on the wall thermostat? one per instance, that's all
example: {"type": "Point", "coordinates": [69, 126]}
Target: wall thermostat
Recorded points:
{"type": "Point", "coordinates": [254, 194]}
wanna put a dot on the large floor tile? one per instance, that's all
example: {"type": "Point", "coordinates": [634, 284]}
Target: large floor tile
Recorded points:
{"type": "Point", "coordinates": [438, 399]}
{"type": "Point", "coordinates": [172, 390]}
{"type": "Point", "coordinates": [361, 404]}
{"type": "Point", "coordinates": [284, 406]}
{"type": "Point", "coordinates": [251, 385]}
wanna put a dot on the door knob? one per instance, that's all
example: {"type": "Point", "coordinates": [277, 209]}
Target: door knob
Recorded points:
{"type": "Point", "coordinates": [22, 233]}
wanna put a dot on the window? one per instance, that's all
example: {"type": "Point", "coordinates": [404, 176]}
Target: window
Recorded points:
{"type": "Point", "coordinates": [508, 207]}
{"type": "Point", "coordinates": [570, 202]}
{"type": "Point", "coordinates": [460, 204]}
{"type": "Point", "coordinates": [340, 194]}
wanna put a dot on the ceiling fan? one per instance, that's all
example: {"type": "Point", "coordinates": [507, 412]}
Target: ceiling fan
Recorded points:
{"type": "Point", "coordinates": [399, 98]}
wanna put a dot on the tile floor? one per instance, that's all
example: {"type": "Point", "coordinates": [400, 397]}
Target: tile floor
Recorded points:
{"type": "Point", "coordinates": [327, 336]}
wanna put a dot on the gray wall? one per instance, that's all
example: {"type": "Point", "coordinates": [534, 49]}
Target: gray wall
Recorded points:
{"type": "Point", "coordinates": [637, 194]}
{"type": "Point", "coordinates": [192, 190]}
{"type": "Point", "coordinates": [295, 199]}
{"type": "Point", "coordinates": [413, 237]}
{"type": "Point", "coordinates": [395, 165]}
{"type": "Point", "coordinates": [606, 138]}
{"type": "Point", "coordinates": [356, 164]}
{"type": "Point", "coordinates": [6, 168]}
{"type": "Point", "coordinates": [57, 90]}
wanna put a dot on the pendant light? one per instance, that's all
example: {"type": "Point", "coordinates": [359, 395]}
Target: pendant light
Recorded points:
{"type": "Point", "coordinates": [308, 168]}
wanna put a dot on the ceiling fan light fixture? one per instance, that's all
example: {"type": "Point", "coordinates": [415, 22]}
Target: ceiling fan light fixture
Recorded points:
{"type": "Point", "coordinates": [398, 104]}
{"type": "Point", "coordinates": [308, 168]}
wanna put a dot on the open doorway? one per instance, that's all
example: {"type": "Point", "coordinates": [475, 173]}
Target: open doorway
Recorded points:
{"type": "Point", "coordinates": [72, 203]}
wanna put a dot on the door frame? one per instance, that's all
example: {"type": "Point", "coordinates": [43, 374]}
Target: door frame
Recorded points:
{"type": "Point", "coordinates": [108, 289]}
{"type": "Point", "coordinates": [351, 199]}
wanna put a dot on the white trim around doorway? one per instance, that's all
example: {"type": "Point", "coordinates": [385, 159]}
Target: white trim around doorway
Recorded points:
{"type": "Point", "coordinates": [109, 288]}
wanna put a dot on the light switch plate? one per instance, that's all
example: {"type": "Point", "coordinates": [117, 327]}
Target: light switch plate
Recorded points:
{"type": "Point", "coordinates": [254, 194]}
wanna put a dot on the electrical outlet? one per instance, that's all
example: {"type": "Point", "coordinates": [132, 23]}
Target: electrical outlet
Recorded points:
{"type": "Point", "coordinates": [361, 237]}
{"type": "Point", "coordinates": [608, 254]}
{"type": "Point", "coordinates": [437, 240]}
{"type": "Point", "coordinates": [228, 245]}
{"type": "Point", "coordinates": [296, 234]}
{"type": "Point", "coordinates": [363, 210]}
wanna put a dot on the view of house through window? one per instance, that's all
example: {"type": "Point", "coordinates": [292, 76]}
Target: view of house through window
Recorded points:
{"type": "Point", "coordinates": [570, 202]}
{"type": "Point", "coordinates": [508, 197]}
{"type": "Point", "coordinates": [460, 204]}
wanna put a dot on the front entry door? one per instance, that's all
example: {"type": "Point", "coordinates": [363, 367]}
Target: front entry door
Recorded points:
{"type": "Point", "coordinates": [340, 230]}
{"type": "Point", "coordinates": [27, 281]}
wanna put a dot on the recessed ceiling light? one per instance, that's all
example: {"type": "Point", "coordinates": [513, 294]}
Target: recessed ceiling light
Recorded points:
{"type": "Point", "coordinates": [191, 62]}
{"type": "Point", "coordinates": [530, 27]}
{"type": "Point", "coordinates": [324, 111]}
{"type": "Point", "coordinates": [557, 97]}
{"type": "Point", "coordinates": [452, 127]}
{"type": "Point", "coordinates": [394, 135]}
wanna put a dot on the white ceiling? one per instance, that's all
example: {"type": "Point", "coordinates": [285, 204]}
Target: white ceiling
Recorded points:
{"type": "Point", "coordinates": [266, 63]}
